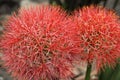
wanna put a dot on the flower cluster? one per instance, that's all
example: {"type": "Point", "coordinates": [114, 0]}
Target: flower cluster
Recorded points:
{"type": "Point", "coordinates": [43, 42]}
{"type": "Point", "coordinates": [34, 44]}
{"type": "Point", "coordinates": [98, 35]}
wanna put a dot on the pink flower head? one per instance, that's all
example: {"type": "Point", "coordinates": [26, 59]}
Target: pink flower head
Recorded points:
{"type": "Point", "coordinates": [33, 44]}
{"type": "Point", "coordinates": [97, 36]}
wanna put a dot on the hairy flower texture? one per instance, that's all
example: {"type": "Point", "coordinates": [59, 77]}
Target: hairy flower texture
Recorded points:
{"type": "Point", "coordinates": [34, 44]}
{"type": "Point", "coordinates": [97, 36]}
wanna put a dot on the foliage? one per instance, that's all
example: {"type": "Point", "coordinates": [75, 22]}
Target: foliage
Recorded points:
{"type": "Point", "coordinates": [110, 73]}
{"type": "Point", "coordinates": [71, 5]}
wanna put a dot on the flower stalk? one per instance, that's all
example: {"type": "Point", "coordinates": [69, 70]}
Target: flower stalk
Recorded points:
{"type": "Point", "coordinates": [88, 71]}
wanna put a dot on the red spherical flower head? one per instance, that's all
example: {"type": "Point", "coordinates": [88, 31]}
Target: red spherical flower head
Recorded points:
{"type": "Point", "coordinates": [97, 35]}
{"type": "Point", "coordinates": [33, 44]}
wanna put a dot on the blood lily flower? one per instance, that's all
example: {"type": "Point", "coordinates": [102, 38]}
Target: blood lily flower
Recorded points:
{"type": "Point", "coordinates": [33, 43]}
{"type": "Point", "coordinates": [97, 36]}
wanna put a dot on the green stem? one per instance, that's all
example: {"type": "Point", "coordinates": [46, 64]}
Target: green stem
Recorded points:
{"type": "Point", "coordinates": [87, 76]}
